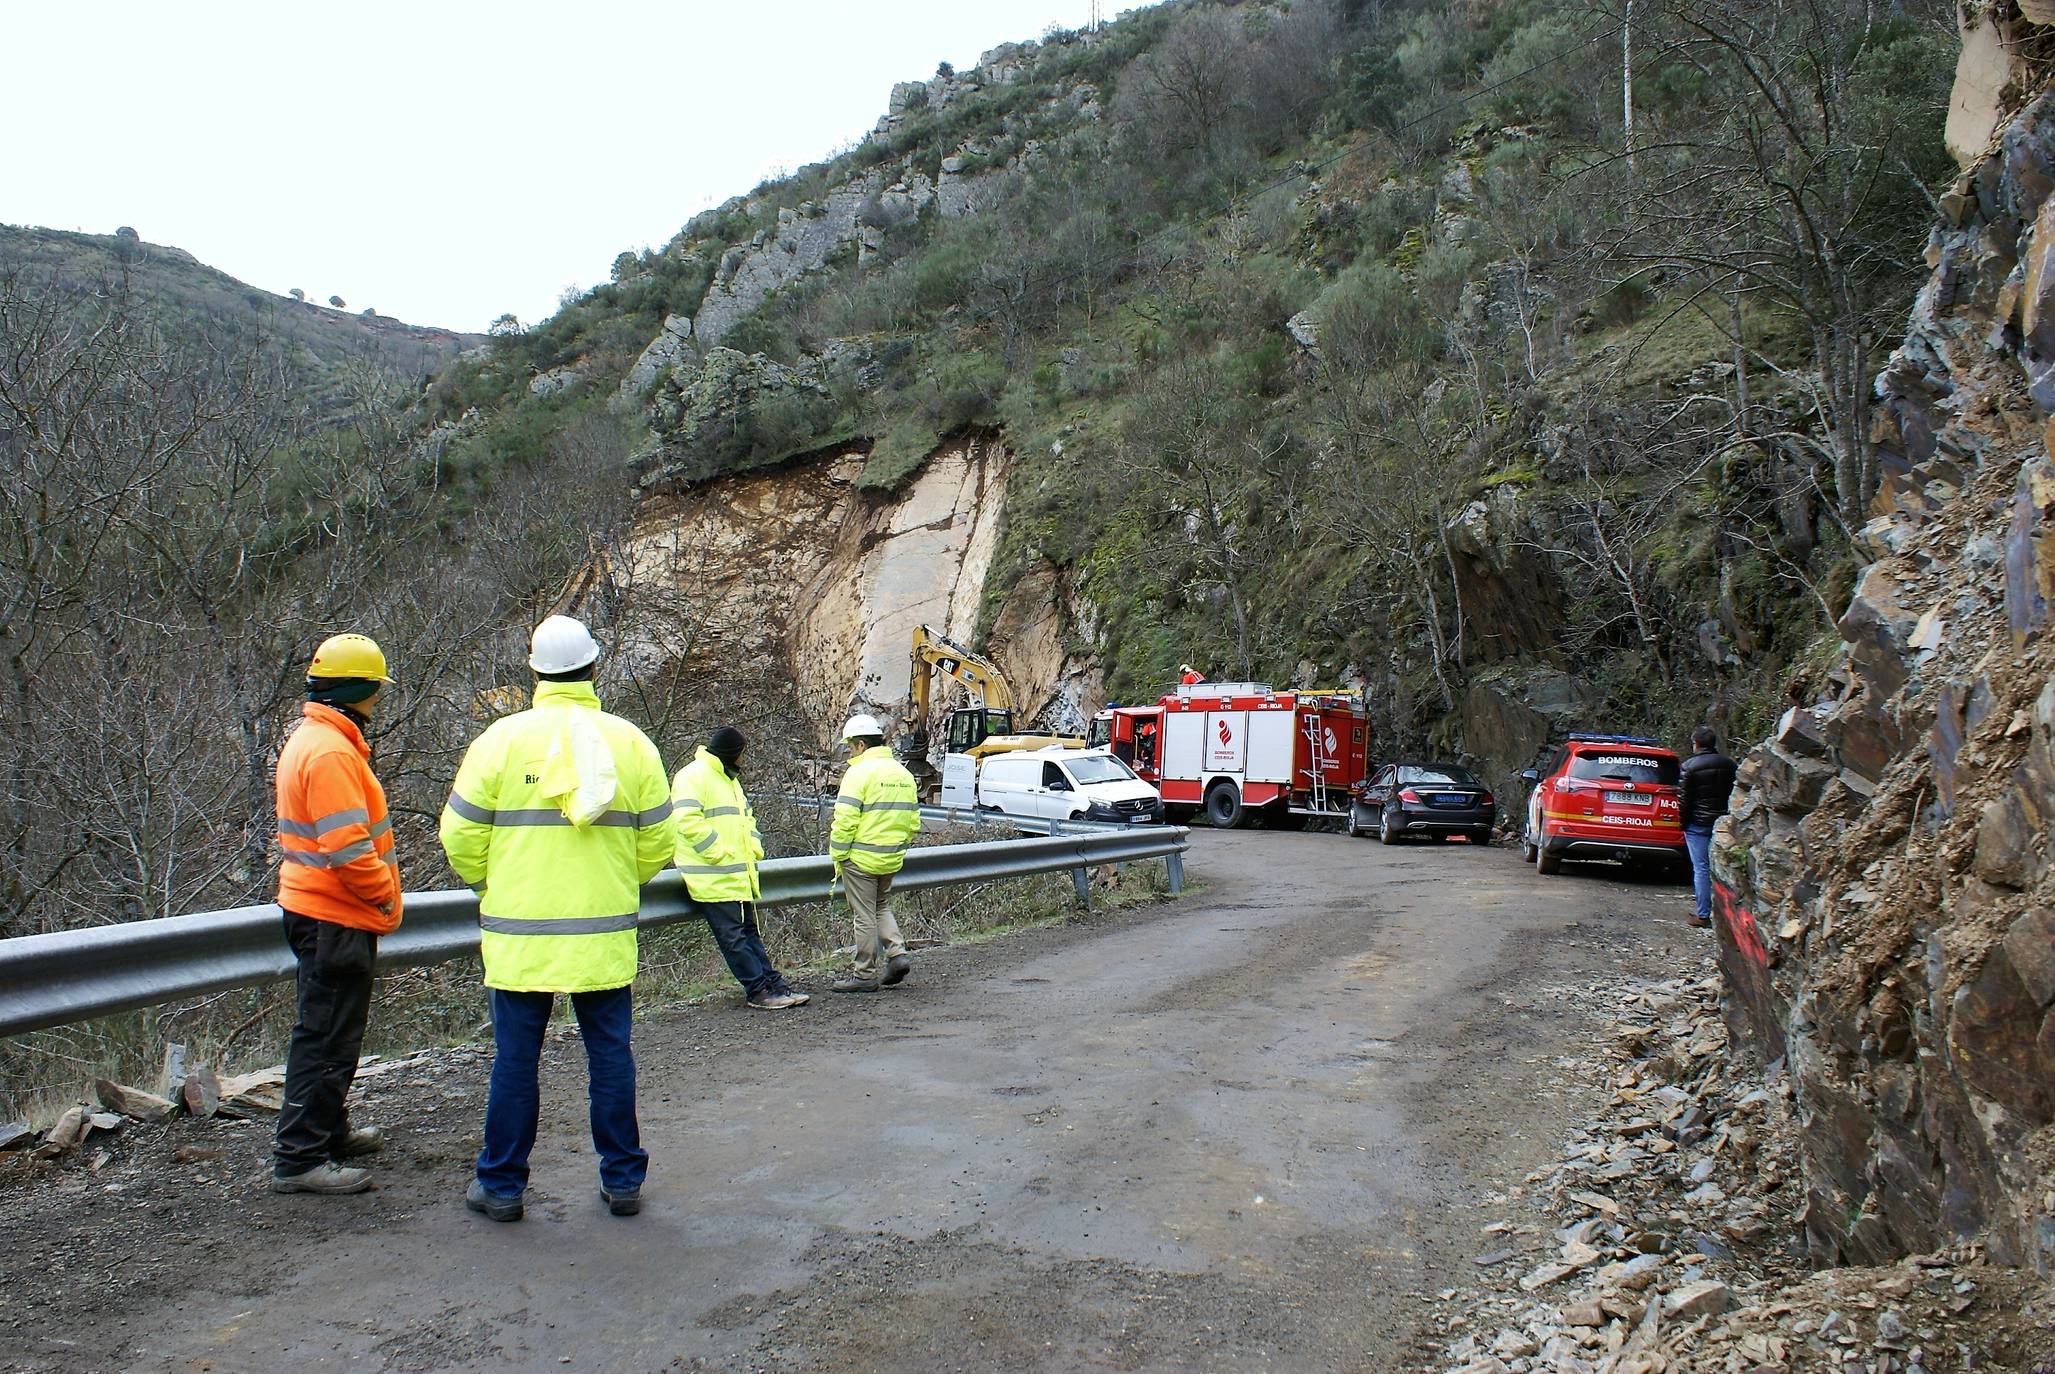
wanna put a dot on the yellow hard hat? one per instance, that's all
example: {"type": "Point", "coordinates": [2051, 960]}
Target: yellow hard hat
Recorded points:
{"type": "Point", "coordinates": [346, 656]}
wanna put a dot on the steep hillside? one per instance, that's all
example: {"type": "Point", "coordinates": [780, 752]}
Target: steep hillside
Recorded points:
{"type": "Point", "coordinates": [178, 288]}
{"type": "Point", "coordinates": [1329, 342]}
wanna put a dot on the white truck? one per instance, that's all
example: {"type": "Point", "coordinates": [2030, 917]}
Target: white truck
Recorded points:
{"type": "Point", "coordinates": [1052, 783]}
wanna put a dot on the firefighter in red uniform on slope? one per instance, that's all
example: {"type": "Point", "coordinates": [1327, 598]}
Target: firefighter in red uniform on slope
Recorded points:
{"type": "Point", "coordinates": [1188, 675]}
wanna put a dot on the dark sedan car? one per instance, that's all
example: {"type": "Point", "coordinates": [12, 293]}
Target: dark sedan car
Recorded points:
{"type": "Point", "coordinates": [1431, 799]}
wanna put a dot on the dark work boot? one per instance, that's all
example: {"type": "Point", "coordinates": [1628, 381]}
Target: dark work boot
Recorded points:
{"type": "Point", "coordinates": [896, 969]}
{"type": "Point", "coordinates": [498, 1208]}
{"type": "Point", "coordinates": [854, 984]}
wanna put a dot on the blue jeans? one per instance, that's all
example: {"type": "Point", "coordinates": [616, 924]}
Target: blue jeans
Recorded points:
{"type": "Point", "coordinates": [735, 931]}
{"type": "Point", "coordinates": [514, 1102]}
{"type": "Point", "coordinates": [1699, 843]}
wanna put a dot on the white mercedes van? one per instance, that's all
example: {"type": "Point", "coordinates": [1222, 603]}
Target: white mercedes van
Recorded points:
{"type": "Point", "coordinates": [1066, 784]}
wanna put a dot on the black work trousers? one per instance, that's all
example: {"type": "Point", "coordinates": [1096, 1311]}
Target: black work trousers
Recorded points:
{"type": "Point", "coordinates": [321, 1059]}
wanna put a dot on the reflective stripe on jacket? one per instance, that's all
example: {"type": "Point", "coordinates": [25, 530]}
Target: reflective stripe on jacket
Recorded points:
{"type": "Point", "coordinates": [334, 834]}
{"type": "Point", "coordinates": [718, 842]}
{"type": "Point", "coordinates": [876, 813]}
{"type": "Point", "coordinates": [556, 901]}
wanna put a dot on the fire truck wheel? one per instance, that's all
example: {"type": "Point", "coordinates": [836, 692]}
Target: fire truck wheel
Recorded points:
{"type": "Point", "coordinates": [1224, 806]}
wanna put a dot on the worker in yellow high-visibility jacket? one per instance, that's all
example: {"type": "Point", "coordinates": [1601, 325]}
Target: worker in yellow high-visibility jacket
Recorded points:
{"type": "Point", "coordinates": [718, 846]}
{"type": "Point", "coordinates": [558, 816]}
{"type": "Point", "coordinates": [876, 815]}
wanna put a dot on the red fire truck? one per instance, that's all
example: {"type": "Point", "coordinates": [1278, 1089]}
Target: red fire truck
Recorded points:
{"type": "Point", "coordinates": [1237, 748]}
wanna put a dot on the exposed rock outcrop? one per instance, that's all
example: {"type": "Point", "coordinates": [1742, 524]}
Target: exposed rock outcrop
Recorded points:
{"type": "Point", "coordinates": [671, 346]}
{"type": "Point", "coordinates": [1512, 596]}
{"type": "Point", "coordinates": [1512, 712]}
{"type": "Point", "coordinates": [1042, 639]}
{"type": "Point", "coordinates": [1885, 914]}
{"type": "Point", "coordinates": [804, 240]}
{"type": "Point", "coordinates": [851, 221]}
{"type": "Point", "coordinates": [798, 576]}
{"type": "Point", "coordinates": [735, 411]}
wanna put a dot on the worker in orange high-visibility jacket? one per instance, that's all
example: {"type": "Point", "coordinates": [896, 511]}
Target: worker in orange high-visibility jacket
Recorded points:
{"type": "Point", "coordinates": [339, 889]}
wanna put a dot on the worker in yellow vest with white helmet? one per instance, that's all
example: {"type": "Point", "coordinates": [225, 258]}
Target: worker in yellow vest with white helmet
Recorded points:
{"type": "Point", "coordinates": [876, 815]}
{"type": "Point", "coordinates": [558, 816]}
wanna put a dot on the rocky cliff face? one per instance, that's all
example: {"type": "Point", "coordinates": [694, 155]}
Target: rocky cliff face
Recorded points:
{"type": "Point", "coordinates": [799, 576]}
{"type": "Point", "coordinates": [1887, 914]}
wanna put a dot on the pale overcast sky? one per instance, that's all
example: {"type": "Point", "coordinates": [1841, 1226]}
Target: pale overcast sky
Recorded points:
{"type": "Point", "coordinates": [446, 162]}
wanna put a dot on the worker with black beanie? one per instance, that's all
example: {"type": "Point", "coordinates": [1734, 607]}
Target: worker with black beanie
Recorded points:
{"type": "Point", "coordinates": [718, 849]}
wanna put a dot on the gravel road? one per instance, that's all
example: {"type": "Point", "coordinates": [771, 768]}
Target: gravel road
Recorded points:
{"type": "Point", "coordinates": [1250, 1129]}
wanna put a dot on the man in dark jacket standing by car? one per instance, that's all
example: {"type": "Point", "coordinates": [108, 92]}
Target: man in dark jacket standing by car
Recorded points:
{"type": "Point", "coordinates": [1708, 780]}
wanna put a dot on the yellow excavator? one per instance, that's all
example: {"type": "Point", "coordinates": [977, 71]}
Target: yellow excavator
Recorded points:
{"type": "Point", "coordinates": [983, 727]}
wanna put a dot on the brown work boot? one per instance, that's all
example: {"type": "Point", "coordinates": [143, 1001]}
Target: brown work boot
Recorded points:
{"type": "Point", "coordinates": [362, 1140]}
{"type": "Point", "coordinates": [777, 1001]}
{"type": "Point", "coordinates": [896, 969]}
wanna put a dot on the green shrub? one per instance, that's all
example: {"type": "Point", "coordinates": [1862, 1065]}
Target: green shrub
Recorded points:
{"type": "Point", "coordinates": [898, 453]}
{"type": "Point", "coordinates": [943, 275]}
{"type": "Point", "coordinates": [764, 330]}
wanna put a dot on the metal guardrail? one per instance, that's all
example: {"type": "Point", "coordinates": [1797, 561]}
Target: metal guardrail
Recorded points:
{"type": "Point", "coordinates": [75, 975]}
{"type": "Point", "coordinates": [980, 817]}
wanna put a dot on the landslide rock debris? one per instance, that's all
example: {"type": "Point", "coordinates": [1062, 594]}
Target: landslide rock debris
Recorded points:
{"type": "Point", "coordinates": [1886, 886]}
{"type": "Point", "coordinates": [804, 570]}
{"type": "Point", "coordinates": [1666, 1238]}
{"type": "Point", "coordinates": [201, 1094]}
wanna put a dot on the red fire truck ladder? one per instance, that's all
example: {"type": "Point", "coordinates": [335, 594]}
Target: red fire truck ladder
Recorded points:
{"type": "Point", "coordinates": [1316, 755]}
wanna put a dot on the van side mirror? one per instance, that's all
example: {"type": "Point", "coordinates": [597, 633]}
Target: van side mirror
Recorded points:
{"type": "Point", "coordinates": [1529, 776]}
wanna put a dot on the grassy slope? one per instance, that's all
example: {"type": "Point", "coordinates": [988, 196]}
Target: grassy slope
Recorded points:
{"type": "Point", "coordinates": [178, 286]}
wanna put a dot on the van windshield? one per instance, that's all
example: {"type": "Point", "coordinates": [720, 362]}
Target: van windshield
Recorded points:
{"type": "Point", "coordinates": [1088, 768]}
{"type": "Point", "coordinates": [1641, 768]}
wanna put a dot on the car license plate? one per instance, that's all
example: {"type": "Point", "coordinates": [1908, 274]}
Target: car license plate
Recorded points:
{"type": "Point", "coordinates": [1450, 799]}
{"type": "Point", "coordinates": [1629, 798]}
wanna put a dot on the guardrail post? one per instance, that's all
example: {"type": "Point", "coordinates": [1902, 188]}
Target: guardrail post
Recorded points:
{"type": "Point", "coordinates": [1173, 867]}
{"type": "Point", "coordinates": [1082, 881]}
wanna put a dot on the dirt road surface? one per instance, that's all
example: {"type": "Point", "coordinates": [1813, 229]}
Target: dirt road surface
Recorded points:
{"type": "Point", "coordinates": [1249, 1129]}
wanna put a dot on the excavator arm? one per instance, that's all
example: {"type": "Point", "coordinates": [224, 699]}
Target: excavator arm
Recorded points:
{"type": "Point", "coordinates": [934, 652]}
{"type": "Point", "coordinates": [991, 695]}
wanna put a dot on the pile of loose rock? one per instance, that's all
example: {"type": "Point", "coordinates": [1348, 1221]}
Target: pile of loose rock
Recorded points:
{"type": "Point", "coordinates": [1666, 1237]}
{"type": "Point", "coordinates": [199, 1093]}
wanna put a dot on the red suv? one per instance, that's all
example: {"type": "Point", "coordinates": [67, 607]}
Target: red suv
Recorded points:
{"type": "Point", "coordinates": [1604, 797]}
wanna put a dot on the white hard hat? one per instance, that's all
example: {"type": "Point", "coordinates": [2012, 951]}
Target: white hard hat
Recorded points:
{"type": "Point", "coordinates": [561, 645]}
{"type": "Point", "coordinates": [860, 725]}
